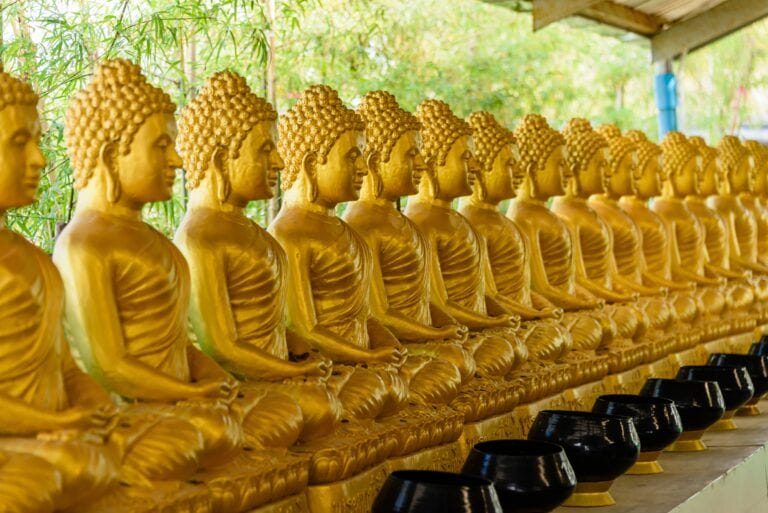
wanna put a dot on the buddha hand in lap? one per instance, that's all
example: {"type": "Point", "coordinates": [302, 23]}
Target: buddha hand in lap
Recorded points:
{"type": "Point", "coordinates": [330, 270]}
{"type": "Point", "coordinates": [739, 293]}
{"type": "Point", "coordinates": [553, 272]}
{"type": "Point", "coordinates": [505, 248]}
{"type": "Point", "coordinates": [52, 416]}
{"type": "Point", "coordinates": [740, 223]}
{"type": "Point", "coordinates": [402, 281]}
{"type": "Point", "coordinates": [127, 286]}
{"type": "Point", "coordinates": [686, 234]}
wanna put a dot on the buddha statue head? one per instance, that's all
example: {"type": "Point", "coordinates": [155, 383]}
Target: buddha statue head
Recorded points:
{"type": "Point", "coordinates": [680, 170]}
{"type": "Point", "coordinates": [322, 143]}
{"type": "Point", "coordinates": [392, 148]}
{"type": "Point", "coordinates": [587, 158]}
{"type": "Point", "coordinates": [647, 179]}
{"type": "Point", "coordinates": [542, 158]}
{"type": "Point", "coordinates": [227, 140]}
{"type": "Point", "coordinates": [448, 150]}
{"type": "Point", "coordinates": [759, 153]}
{"type": "Point", "coordinates": [710, 174]}
{"type": "Point", "coordinates": [736, 164]}
{"type": "Point", "coordinates": [622, 167]}
{"type": "Point", "coordinates": [20, 156]}
{"type": "Point", "coordinates": [120, 134]}
{"type": "Point", "coordinates": [497, 156]}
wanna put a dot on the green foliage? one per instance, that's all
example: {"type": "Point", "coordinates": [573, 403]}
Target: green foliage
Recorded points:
{"type": "Point", "coordinates": [474, 55]}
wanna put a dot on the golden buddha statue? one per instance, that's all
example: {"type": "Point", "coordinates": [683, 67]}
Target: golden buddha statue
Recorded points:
{"type": "Point", "coordinates": [754, 198]}
{"type": "Point", "coordinates": [53, 416]}
{"type": "Point", "coordinates": [655, 261]}
{"type": "Point", "coordinates": [127, 289]}
{"type": "Point", "coordinates": [402, 281]}
{"type": "Point", "coordinates": [592, 238]}
{"type": "Point", "coordinates": [238, 274]}
{"type": "Point", "coordinates": [689, 261]}
{"type": "Point", "coordinates": [553, 272]}
{"type": "Point", "coordinates": [329, 275]}
{"type": "Point", "coordinates": [739, 293]}
{"type": "Point", "coordinates": [736, 166]}
{"type": "Point", "coordinates": [506, 250]}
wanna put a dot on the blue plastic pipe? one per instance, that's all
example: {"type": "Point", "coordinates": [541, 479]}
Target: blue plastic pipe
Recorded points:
{"type": "Point", "coordinates": [665, 88]}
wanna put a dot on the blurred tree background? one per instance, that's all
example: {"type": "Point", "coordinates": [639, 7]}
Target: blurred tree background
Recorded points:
{"type": "Point", "coordinates": [474, 55]}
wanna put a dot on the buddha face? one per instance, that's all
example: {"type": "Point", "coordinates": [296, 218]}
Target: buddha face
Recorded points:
{"type": "Point", "coordinates": [739, 178]}
{"type": "Point", "coordinates": [20, 156]}
{"type": "Point", "coordinates": [550, 179]}
{"type": "Point", "coordinates": [459, 170]}
{"type": "Point", "coordinates": [253, 174]}
{"type": "Point", "coordinates": [592, 178]}
{"type": "Point", "coordinates": [648, 183]}
{"type": "Point", "coordinates": [148, 171]}
{"type": "Point", "coordinates": [340, 177]}
{"type": "Point", "coordinates": [685, 179]}
{"type": "Point", "coordinates": [499, 182]}
{"type": "Point", "coordinates": [709, 179]}
{"type": "Point", "coordinates": [759, 180]}
{"type": "Point", "coordinates": [401, 174]}
{"type": "Point", "coordinates": [621, 183]}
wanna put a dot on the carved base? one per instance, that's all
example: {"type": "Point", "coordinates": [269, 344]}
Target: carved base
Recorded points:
{"type": "Point", "coordinates": [295, 504]}
{"type": "Point", "coordinates": [353, 495]}
{"type": "Point", "coordinates": [495, 428]}
{"type": "Point", "coordinates": [168, 496]}
{"type": "Point", "coordinates": [627, 382]}
{"type": "Point", "coordinates": [646, 464]}
{"type": "Point", "coordinates": [689, 441]}
{"type": "Point", "coordinates": [583, 397]}
{"type": "Point", "coordinates": [445, 458]}
{"type": "Point", "coordinates": [588, 495]}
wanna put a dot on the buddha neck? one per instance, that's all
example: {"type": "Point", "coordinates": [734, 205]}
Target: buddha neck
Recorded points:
{"type": "Point", "coordinates": [94, 198]}
{"type": "Point", "coordinates": [369, 195]}
{"type": "Point", "coordinates": [695, 199]}
{"type": "Point", "coordinates": [635, 201]}
{"type": "Point", "coordinates": [297, 197]}
{"type": "Point", "coordinates": [204, 196]}
{"type": "Point", "coordinates": [476, 200]}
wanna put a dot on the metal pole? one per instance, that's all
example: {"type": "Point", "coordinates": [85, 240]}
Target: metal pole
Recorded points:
{"type": "Point", "coordinates": [665, 89]}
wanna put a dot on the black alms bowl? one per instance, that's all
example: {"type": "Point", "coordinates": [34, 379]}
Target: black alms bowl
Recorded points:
{"type": "Point", "coordinates": [699, 403]}
{"type": "Point", "coordinates": [530, 476]}
{"type": "Point", "coordinates": [600, 447]}
{"type": "Point", "coordinates": [425, 491]}
{"type": "Point", "coordinates": [760, 348]}
{"type": "Point", "coordinates": [656, 419]}
{"type": "Point", "coordinates": [756, 365]}
{"type": "Point", "coordinates": [734, 382]}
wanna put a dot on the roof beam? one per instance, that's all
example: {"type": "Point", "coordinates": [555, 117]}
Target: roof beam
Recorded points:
{"type": "Point", "coordinates": [550, 11]}
{"type": "Point", "coordinates": [706, 28]}
{"type": "Point", "coordinates": [623, 17]}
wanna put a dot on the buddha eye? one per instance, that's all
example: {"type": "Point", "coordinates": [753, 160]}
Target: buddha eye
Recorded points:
{"type": "Point", "coordinates": [20, 139]}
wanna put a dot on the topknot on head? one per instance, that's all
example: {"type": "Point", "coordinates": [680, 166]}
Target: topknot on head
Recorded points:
{"type": "Point", "coordinates": [313, 125]}
{"type": "Point", "coordinates": [731, 152]}
{"type": "Point", "coordinates": [678, 151]}
{"type": "Point", "coordinates": [707, 153]}
{"type": "Point", "coordinates": [582, 141]}
{"type": "Point", "coordinates": [221, 116]}
{"type": "Point", "coordinates": [489, 136]}
{"type": "Point", "coordinates": [15, 92]}
{"type": "Point", "coordinates": [759, 152]}
{"type": "Point", "coordinates": [385, 122]}
{"type": "Point", "coordinates": [619, 145]}
{"type": "Point", "coordinates": [536, 140]}
{"type": "Point", "coordinates": [440, 128]}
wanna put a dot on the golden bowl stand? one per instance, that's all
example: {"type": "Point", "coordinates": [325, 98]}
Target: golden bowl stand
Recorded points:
{"type": "Point", "coordinates": [589, 495]}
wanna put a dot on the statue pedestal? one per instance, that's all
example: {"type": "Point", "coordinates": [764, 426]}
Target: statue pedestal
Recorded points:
{"type": "Point", "coordinates": [353, 495]}
{"type": "Point", "coordinates": [446, 458]}
{"type": "Point", "coordinates": [730, 476]}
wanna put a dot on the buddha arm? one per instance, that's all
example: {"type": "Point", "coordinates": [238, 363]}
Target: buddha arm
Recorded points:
{"type": "Point", "coordinates": [505, 303]}
{"type": "Point", "coordinates": [540, 282]}
{"type": "Point", "coordinates": [81, 388]}
{"type": "Point", "coordinates": [581, 272]}
{"type": "Point", "coordinates": [94, 317]}
{"type": "Point", "coordinates": [465, 316]}
{"type": "Point", "coordinates": [678, 270]}
{"type": "Point", "coordinates": [212, 320]}
{"type": "Point", "coordinates": [18, 418]}
{"type": "Point", "coordinates": [402, 326]}
{"type": "Point", "coordinates": [727, 273]}
{"type": "Point", "coordinates": [625, 283]}
{"type": "Point", "coordinates": [735, 249]}
{"type": "Point", "coordinates": [302, 318]}
{"type": "Point", "coordinates": [655, 279]}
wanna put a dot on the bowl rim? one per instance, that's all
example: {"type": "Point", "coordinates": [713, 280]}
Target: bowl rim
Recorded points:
{"type": "Point", "coordinates": [544, 448]}
{"type": "Point", "coordinates": [437, 478]}
{"type": "Point", "coordinates": [708, 367]}
{"type": "Point", "coordinates": [585, 414]}
{"type": "Point", "coordinates": [639, 399]}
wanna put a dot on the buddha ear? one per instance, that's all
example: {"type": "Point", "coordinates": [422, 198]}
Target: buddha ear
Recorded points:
{"type": "Point", "coordinates": [309, 169]}
{"type": "Point", "coordinates": [220, 175]}
{"type": "Point", "coordinates": [373, 163]}
{"type": "Point", "coordinates": [108, 162]}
